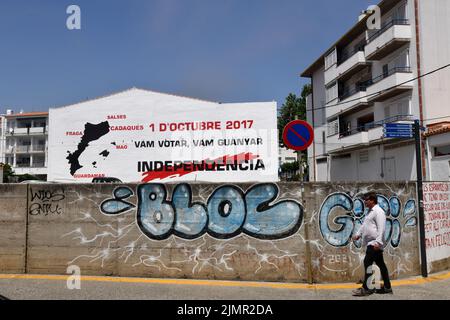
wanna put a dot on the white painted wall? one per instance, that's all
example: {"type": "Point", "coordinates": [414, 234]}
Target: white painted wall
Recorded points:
{"type": "Point", "coordinates": [141, 113]}
{"type": "Point", "coordinates": [435, 52]}
{"type": "Point", "coordinates": [343, 169]}
{"type": "Point", "coordinates": [287, 155]}
{"type": "Point", "coordinates": [375, 166]}
{"type": "Point", "coordinates": [318, 98]}
{"type": "Point", "coordinates": [2, 139]}
{"type": "Point", "coordinates": [439, 166]}
{"type": "Point", "coordinates": [405, 161]}
{"type": "Point", "coordinates": [322, 171]}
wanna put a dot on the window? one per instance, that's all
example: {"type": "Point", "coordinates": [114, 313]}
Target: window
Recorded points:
{"type": "Point", "coordinates": [364, 156]}
{"type": "Point", "coordinates": [442, 151]}
{"type": "Point", "coordinates": [401, 12]}
{"type": "Point", "coordinates": [343, 156]}
{"type": "Point", "coordinates": [396, 109]}
{"type": "Point", "coordinates": [330, 59]}
{"type": "Point", "coordinates": [333, 128]}
{"type": "Point", "coordinates": [387, 112]}
{"type": "Point", "coordinates": [320, 161]}
{"type": "Point", "coordinates": [332, 92]}
{"type": "Point", "coordinates": [385, 71]}
{"type": "Point", "coordinates": [323, 143]}
{"type": "Point", "coordinates": [366, 122]}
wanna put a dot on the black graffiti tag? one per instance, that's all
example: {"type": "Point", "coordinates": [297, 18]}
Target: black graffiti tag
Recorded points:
{"type": "Point", "coordinates": [46, 202]}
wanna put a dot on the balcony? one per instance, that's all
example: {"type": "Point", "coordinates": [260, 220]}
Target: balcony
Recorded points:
{"type": "Point", "coordinates": [388, 39]}
{"type": "Point", "coordinates": [348, 100]}
{"type": "Point", "coordinates": [389, 84]}
{"type": "Point", "coordinates": [9, 149]}
{"type": "Point", "coordinates": [25, 168]}
{"type": "Point", "coordinates": [341, 142]}
{"type": "Point", "coordinates": [363, 136]}
{"type": "Point", "coordinates": [377, 130]}
{"type": "Point", "coordinates": [37, 130]}
{"type": "Point", "coordinates": [351, 63]}
{"type": "Point", "coordinates": [22, 149]}
{"type": "Point", "coordinates": [330, 74]}
{"type": "Point", "coordinates": [27, 131]}
{"type": "Point", "coordinates": [38, 148]}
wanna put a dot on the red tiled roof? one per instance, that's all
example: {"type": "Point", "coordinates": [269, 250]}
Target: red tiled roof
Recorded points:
{"type": "Point", "coordinates": [28, 114]}
{"type": "Point", "coordinates": [438, 128]}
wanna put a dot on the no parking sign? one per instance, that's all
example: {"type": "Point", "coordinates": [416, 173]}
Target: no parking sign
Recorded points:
{"type": "Point", "coordinates": [298, 135]}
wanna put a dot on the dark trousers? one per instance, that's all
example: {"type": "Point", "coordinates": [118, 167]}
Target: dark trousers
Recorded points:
{"type": "Point", "coordinates": [376, 256]}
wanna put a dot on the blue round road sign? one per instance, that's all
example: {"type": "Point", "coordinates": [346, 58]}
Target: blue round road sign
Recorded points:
{"type": "Point", "coordinates": [298, 135]}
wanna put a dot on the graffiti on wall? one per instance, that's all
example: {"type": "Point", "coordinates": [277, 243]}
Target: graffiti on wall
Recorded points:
{"type": "Point", "coordinates": [46, 202]}
{"type": "Point", "coordinates": [228, 212]}
{"type": "Point", "coordinates": [235, 230]}
{"type": "Point", "coordinates": [204, 228]}
{"type": "Point", "coordinates": [355, 212]}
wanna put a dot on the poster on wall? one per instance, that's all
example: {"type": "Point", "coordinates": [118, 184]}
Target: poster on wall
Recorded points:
{"type": "Point", "coordinates": [437, 220]}
{"type": "Point", "coordinates": [144, 136]}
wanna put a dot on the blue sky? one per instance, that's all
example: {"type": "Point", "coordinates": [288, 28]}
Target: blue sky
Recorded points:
{"type": "Point", "coordinates": [219, 50]}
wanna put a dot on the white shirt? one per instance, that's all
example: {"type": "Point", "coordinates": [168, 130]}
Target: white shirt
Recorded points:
{"type": "Point", "coordinates": [372, 230]}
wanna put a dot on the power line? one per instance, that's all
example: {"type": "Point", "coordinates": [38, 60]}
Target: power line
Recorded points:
{"type": "Point", "coordinates": [380, 92]}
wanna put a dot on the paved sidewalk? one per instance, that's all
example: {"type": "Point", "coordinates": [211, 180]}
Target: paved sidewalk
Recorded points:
{"type": "Point", "coordinates": [32, 287]}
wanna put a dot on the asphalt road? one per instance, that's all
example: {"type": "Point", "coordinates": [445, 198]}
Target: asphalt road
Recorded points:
{"type": "Point", "coordinates": [434, 288]}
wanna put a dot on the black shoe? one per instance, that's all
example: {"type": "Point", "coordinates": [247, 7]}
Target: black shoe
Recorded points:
{"type": "Point", "coordinates": [361, 292]}
{"type": "Point", "coordinates": [384, 291]}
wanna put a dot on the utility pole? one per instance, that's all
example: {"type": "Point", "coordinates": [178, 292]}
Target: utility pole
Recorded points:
{"type": "Point", "coordinates": [423, 252]}
{"type": "Point", "coordinates": [299, 159]}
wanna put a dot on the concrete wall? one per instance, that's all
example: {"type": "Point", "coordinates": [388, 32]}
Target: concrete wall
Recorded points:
{"type": "Point", "coordinates": [333, 256]}
{"type": "Point", "coordinates": [262, 232]}
{"type": "Point", "coordinates": [13, 228]}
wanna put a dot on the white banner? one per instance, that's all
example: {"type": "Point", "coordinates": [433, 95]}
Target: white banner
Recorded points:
{"type": "Point", "coordinates": [143, 136]}
{"type": "Point", "coordinates": [437, 220]}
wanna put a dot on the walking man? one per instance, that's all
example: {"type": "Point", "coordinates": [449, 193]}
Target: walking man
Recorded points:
{"type": "Point", "coordinates": [372, 234]}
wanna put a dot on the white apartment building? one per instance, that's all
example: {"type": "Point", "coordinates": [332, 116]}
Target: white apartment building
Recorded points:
{"type": "Point", "coordinates": [361, 83]}
{"type": "Point", "coordinates": [286, 155]}
{"type": "Point", "coordinates": [23, 142]}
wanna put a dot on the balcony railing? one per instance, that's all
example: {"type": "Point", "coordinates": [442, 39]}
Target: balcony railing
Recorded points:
{"type": "Point", "coordinates": [38, 148]}
{"type": "Point", "coordinates": [348, 93]}
{"type": "Point", "coordinates": [22, 165]}
{"type": "Point", "coordinates": [372, 125]}
{"type": "Point", "coordinates": [38, 165]}
{"type": "Point", "coordinates": [394, 22]}
{"type": "Point", "coordinates": [348, 54]}
{"type": "Point", "coordinates": [23, 148]}
{"type": "Point", "coordinates": [27, 131]}
{"type": "Point", "coordinates": [387, 74]}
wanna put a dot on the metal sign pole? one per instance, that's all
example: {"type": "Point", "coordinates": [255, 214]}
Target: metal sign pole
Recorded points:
{"type": "Point", "coordinates": [423, 253]}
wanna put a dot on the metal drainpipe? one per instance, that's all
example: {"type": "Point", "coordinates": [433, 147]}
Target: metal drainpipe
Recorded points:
{"type": "Point", "coordinates": [314, 127]}
{"type": "Point", "coordinates": [419, 81]}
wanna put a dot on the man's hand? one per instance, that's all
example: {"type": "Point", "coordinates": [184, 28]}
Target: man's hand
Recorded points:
{"type": "Point", "coordinates": [376, 247]}
{"type": "Point", "coordinates": [356, 238]}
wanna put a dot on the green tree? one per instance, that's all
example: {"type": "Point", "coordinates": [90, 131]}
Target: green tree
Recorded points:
{"type": "Point", "coordinates": [294, 107]}
{"type": "Point", "coordinates": [7, 172]}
